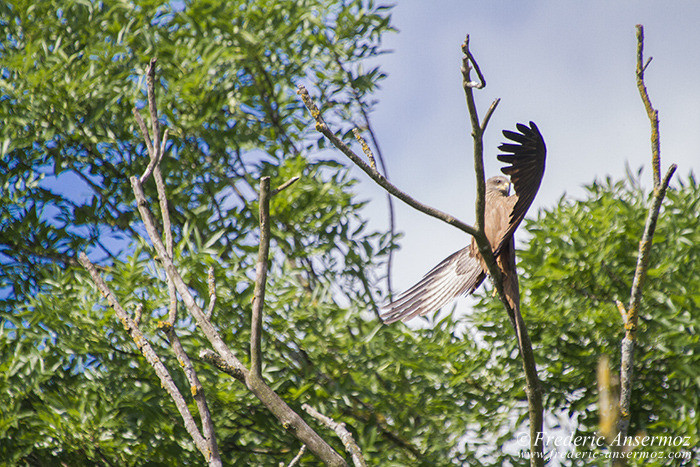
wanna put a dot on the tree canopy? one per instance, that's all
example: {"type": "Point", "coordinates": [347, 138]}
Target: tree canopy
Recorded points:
{"type": "Point", "coordinates": [75, 388]}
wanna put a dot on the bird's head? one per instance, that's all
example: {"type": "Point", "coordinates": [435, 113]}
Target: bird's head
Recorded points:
{"type": "Point", "coordinates": [498, 184]}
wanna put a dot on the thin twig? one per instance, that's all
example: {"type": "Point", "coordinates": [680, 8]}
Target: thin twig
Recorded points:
{"type": "Point", "coordinates": [167, 229]}
{"type": "Point", "coordinates": [286, 184]}
{"type": "Point", "coordinates": [154, 161]}
{"type": "Point", "coordinates": [147, 139]}
{"type": "Point", "coordinates": [489, 113]}
{"type": "Point", "coordinates": [152, 108]}
{"type": "Point", "coordinates": [342, 432]}
{"type": "Point", "coordinates": [211, 283]}
{"type": "Point", "coordinates": [298, 457]}
{"type": "Point", "coordinates": [477, 135]}
{"type": "Point", "coordinates": [149, 354]}
{"type": "Point", "coordinates": [163, 143]}
{"type": "Point", "coordinates": [469, 58]}
{"type": "Point", "coordinates": [260, 280]}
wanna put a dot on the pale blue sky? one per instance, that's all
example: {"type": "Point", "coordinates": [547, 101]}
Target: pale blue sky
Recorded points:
{"type": "Point", "coordinates": [568, 66]}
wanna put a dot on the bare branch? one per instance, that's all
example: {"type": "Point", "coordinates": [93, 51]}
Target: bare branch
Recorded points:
{"type": "Point", "coordinates": [652, 113]}
{"type": "Point", "coordinates": [149, 354]}
{"type": "Point", "coordinates": [532, 389]}
{"type": "Point", "coordinates": [469, 58]}
{"type": "Point", "coordinates": [197, 391]}
{"type": "Point", "coordinates": [152, 108]}
{"type": "Point", "coordinates": [631, 315]}
{"type": "Point", "coordinates": [342, 432]}
{"type": "Point", "coordinates": [260, 280]}
{"type": "Point", "coordinates": [155, 151]}
{"type": "Point", "coordinates": [182, 288]}
{"type": "Point", "coordinates": [158, 147]}
{"type": "Point", "coordinates": [375, 175]}
{"type": "Point", "coordinates": [477, 135]}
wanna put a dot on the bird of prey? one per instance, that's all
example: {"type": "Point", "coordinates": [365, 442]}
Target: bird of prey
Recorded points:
{"type": "Point", "coordinates": [462, 272]}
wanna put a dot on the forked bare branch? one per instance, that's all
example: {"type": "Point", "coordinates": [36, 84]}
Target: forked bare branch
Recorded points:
{"type": "Point", "coordinates": [631, 314]}
{"type": "Point", "coordinates": [149, 354]}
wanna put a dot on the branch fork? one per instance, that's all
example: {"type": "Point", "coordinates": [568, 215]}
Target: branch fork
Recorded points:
{"type": "Point", "coordinates": [631, 314]}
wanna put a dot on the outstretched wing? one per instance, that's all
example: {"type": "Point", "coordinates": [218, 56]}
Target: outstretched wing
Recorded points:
{"type": "Point", "coordinates": [526, 157]}
{"type": "Point", "coordinates": [458, 274]}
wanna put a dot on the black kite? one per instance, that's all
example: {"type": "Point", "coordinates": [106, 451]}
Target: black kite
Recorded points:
{"type": "Point", "coordinates": [462, 272]}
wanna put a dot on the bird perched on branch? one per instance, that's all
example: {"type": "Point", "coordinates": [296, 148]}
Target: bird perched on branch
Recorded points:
{"type": "Point", "coordinates": [462, 272]}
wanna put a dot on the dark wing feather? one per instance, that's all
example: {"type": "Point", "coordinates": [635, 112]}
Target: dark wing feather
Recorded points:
{"type": "Point", "coordinates": [458, 274]}
{"type": "Point", "coordinates": [526, 159]}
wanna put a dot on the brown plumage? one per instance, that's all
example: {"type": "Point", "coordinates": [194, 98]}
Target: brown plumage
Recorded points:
{"type": "Point", "coordinates": [462, 272]}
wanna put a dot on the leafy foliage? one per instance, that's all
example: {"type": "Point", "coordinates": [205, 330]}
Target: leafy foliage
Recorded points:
{"type": "Point", "coordinates": [580, 258]}
{"type": "Point", "coordinates": [228, 72]}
